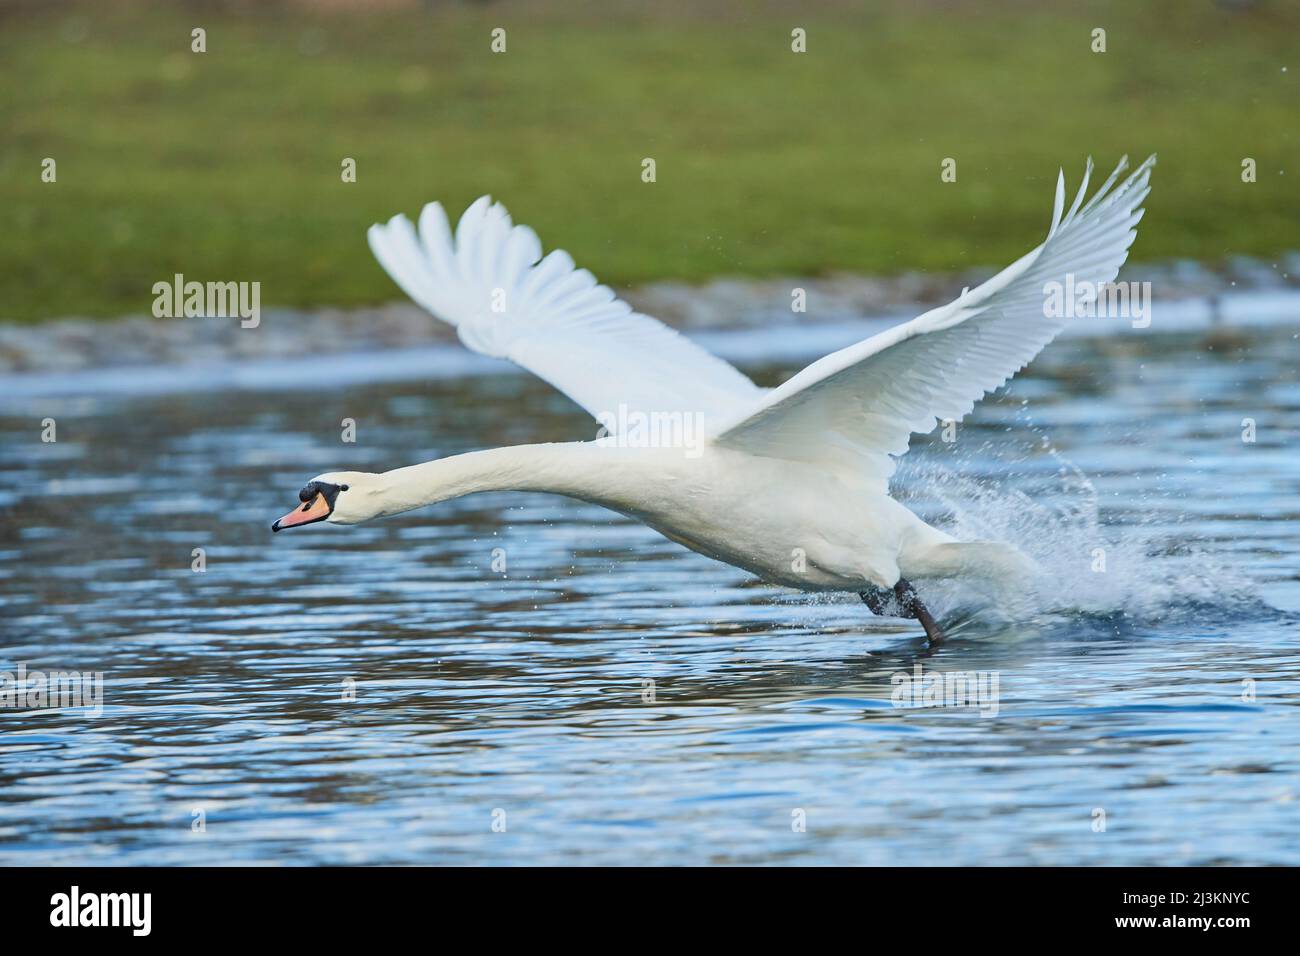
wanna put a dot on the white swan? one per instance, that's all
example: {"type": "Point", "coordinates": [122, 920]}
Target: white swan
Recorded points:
{"type": "Point", "coordinates": [791, 483]}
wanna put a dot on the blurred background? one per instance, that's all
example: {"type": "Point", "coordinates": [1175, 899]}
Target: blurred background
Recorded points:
{"type": "Point", "coordinates": [226, 164]}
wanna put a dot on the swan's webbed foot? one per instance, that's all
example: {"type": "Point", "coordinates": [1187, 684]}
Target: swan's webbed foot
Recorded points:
{"type": "Point", "coordinates": [875, 599]}
{"type": "Point", "coordinates": [909, 605]}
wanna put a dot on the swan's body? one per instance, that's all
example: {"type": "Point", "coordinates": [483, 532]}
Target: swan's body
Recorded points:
{"type": "Point", "coordinates": [791, 483]}
{"type": "Point", "coordinates": [789, 523]}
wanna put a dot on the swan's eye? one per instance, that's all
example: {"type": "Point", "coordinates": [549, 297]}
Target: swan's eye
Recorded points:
{"type": "Point", "coordinates": [314, 488]}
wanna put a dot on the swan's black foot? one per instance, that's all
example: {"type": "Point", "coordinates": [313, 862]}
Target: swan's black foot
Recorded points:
{"type": "Point", "coordinates": [875, 599]}
{"type": "Point", "coordinates": [909, 605]}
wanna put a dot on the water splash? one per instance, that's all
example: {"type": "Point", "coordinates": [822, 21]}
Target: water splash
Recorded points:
{"type": "Point", "coordinates": [1090, 565]}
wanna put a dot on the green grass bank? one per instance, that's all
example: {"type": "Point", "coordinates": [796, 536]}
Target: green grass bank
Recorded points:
{"type": "Point", "coordinates": [226, 164]}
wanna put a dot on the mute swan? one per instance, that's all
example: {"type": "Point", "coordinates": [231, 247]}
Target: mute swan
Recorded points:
{"type": "Point", "coordinates": [790, 483]}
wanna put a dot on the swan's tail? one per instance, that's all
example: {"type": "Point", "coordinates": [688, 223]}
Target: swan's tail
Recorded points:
{"type": "Point", "coordinates": [994, 561]}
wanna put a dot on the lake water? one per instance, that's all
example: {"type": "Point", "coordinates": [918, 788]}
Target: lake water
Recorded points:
{"type": "Point", "coordinates": [611, 698]}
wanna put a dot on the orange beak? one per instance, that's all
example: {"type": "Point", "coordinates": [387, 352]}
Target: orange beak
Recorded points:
{"type": "Point", "coordinates": [318, 509]}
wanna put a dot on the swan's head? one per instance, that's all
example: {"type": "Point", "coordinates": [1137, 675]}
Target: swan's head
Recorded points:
{"type": "Point", "coordinates": [339, 497]}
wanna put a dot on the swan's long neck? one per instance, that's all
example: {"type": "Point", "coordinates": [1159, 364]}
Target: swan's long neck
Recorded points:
{"type": "Point", "coordinates": [604, 476]}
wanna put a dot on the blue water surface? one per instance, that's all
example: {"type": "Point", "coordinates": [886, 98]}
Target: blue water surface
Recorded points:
{"type": "Point", "coordinates": [385, 694]}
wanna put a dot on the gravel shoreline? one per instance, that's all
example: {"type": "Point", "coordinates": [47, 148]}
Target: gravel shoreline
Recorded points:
{"type": "Point", "coordinates": [71, 344]}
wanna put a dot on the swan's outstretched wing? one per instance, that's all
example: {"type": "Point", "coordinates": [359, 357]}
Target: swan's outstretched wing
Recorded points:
{"type": "Point", "coordinates": [491, 282]}
{"type": "Point", "coordinates": [865, 401]}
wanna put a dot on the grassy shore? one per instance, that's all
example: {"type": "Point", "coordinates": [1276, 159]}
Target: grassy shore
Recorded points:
{"type": "Point", "coordinates": [226, 164]}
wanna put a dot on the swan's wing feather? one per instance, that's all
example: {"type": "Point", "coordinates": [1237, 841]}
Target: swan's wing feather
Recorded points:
{"type": "Point", "coordinates": [490, 280]}
{"type": "Point", "coordinates": [865, 401]}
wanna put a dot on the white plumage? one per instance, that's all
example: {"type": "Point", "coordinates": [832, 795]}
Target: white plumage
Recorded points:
{"type": "Point", "coordinates": [870, 397]}
{"type": "Point", "coordinates": [507, 300]}
{"type": "Point", "coordinates": [802, 469]}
